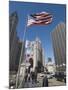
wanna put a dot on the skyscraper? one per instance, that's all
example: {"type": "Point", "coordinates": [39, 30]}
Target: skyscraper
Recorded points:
{"type": "Point", "coordinates": [13, 40]}
{"type": "Point", "coordinates": [59, 46]}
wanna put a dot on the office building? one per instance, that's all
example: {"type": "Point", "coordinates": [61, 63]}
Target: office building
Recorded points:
{"type": "Point", "coordinates": [59, 46]}
{"type": "Point", "coordinates": [13, 40]}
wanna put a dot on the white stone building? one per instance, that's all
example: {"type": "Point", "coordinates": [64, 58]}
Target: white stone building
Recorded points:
{"type": "Point", "coordinates": [33, 49]}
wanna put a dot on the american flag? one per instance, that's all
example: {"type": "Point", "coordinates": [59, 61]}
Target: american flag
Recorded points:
{"type": "Point", "coordinates": [42, 18]}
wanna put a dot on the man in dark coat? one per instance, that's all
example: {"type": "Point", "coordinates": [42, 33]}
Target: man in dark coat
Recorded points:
{"type": "Point", "coordinates": [26, 75]}
{"type": "Point", "coordinates": [36, 74]}
{"type": "Point", "coordinates": [45, 81]}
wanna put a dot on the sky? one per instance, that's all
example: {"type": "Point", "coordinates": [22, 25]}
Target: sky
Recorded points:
{"type": "Point", "coordinates": [43, 32]}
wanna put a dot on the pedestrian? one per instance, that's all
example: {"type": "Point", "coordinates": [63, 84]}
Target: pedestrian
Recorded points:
{"type": "Point", "coordinates": [29, 81]}
{"type": "Point", "coordinates": [28, 78]}
{"type": "Point", "coordinates": [29, 69]}
{"type": "Point", "coordinates": [26, 75]}
{"type": "Point", "coordinates": [65, 79]}
{"type": "Point", "coordinates": [32, 75]}
{"type": "Point", "coordinates": [35, 74]}
{"type": "Point", "coordinates": [45, 81]}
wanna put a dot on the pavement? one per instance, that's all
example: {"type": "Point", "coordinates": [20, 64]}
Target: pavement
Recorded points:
{"type": "Point", "coordinates": [54, 82]}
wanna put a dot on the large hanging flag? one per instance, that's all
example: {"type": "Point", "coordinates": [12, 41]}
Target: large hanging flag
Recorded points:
{"type": "Point", "coordinates": [42, 18]}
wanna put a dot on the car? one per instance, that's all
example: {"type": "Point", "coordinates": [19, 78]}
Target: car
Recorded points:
{"type": "Point", "coordinates": [53, 74]}
{"type": "Point", "coordinates": [60, 76]}
{"type": "Point", "coordinates": [41, 75]}
{"type": "Point", "coordinates": [49, 76]}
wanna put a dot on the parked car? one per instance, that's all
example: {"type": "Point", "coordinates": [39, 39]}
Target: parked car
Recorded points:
{"type": "Point", "coordinates": [49, 76]}
{"type": "Point", "coordinates": [60, 76]}
{"type": "Point", "coordinates": [53, 74]}
{"type": "Point", "coordinates": [41, 75]}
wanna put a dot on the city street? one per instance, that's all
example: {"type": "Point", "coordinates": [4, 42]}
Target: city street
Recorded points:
{"type": "Point", "coordinates": [54, 82]}
{"type": "Point", "coordinates": [37, 54]}
{"type": "Point", "coordinates": [51, 82]}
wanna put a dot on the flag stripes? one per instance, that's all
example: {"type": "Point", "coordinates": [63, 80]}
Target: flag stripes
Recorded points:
{"type": "Point", "coordinates": [42, 18]}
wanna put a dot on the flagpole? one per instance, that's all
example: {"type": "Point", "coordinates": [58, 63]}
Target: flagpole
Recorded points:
{"type": "Point", "coordinates": [22, 53]}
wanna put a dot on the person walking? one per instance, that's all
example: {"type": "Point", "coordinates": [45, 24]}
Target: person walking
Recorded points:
{"type": "Point", "coordinates": [45, 81]}
{"type": "Point", "coordinates": [36, 75]}
{"type": "Point", "coordinates": [26, 75]}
